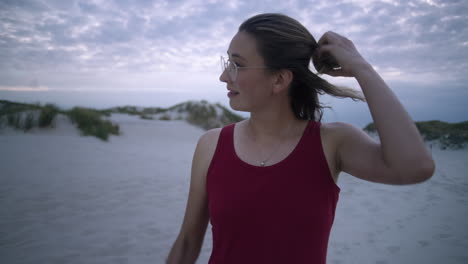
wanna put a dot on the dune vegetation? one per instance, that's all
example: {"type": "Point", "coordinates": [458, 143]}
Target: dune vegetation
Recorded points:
{"type": "Point", "coordinates": [449, 135]}
{"type": "Point", "coordinates": [89, 121]}
{"type": "Point", "coordinates": [24, 117]}
{"type": "Point", "coordinates": [199, 113]}
{"type": "Point", "coordinates": [92, 122]}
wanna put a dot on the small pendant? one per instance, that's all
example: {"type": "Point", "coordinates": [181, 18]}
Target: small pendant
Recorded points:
{"type": "Point", "coordinates": [262, 164]}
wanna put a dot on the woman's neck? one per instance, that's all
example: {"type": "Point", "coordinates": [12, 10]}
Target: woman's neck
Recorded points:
{"type": "Point", "coordinates": [273, 123]}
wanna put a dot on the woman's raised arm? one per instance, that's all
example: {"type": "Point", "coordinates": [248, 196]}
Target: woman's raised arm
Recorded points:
{"type": "Point", "coordinates": [401, 157]}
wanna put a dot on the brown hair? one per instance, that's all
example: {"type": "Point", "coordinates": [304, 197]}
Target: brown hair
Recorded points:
{"type": "Point", "coordinates": [284, 43]}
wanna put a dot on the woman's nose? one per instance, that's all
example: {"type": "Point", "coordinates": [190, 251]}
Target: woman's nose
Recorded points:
{"type": "Point", "coordinates": [224, 77]}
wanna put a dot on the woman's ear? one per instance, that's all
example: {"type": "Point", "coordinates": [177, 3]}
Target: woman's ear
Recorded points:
{"type": "Point", "coordinates": [282, 80]}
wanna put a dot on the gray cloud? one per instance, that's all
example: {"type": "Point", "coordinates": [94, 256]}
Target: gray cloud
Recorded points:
{"type": "Point", "coordinates": [415, 39]}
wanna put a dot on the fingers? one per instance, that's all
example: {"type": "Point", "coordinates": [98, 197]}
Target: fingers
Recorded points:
{"type": "Point", "coordinates": [327, 44]}
{"type": "Point", "coordinates": [330, 72]}
{"type": "Point", "coordinates": [324, 60]}
{"type": "Point", "coordinates": [324, 49]}
{"type": "Point", "coordinates": [328, 38]}
{"type": "Point", "coordinates": [332, 38]}
{"type": "Point", "coordinates": [335, 55]}
{"type": "Point", "coordinates": [335, 72]}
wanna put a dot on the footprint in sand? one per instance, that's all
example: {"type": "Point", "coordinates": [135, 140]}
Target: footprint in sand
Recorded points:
{"type": "Point", "coordinates": [366, 203]}
{"type": "Point", "coordinates": [152, 231]}
{"type": "Point", "coordinates": [381, 262]}
{"type": "Point", "coordinates": [88, 232]}
{"type": "Point", "coordinates": [424, 243]}
{"type": "Point", "coordinates": [393, 249]}
{"type": "Point", "coordinates": [374, 209]}
{"type": "Point", "coordinates": [441, 236]}
{"type": "Point", "coordinates": [432, 197]}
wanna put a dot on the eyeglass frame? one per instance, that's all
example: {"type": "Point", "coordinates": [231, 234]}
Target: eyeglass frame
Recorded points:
{"type": "Point", "coordinates": [232, 73]}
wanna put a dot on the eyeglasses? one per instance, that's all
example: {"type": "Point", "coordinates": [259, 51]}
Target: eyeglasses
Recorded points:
{"type": "Point", "coordinates": [232, 68]}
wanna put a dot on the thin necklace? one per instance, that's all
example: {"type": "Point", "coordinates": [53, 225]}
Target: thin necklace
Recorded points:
{"type": "Point", "coordinates": [264, 161]}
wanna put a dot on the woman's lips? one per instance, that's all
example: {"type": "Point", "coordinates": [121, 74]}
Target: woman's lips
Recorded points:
{"type": "Point", "coordinates": [232, 93]}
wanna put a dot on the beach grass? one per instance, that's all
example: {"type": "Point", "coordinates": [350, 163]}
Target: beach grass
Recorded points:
{"type": "Point", "coordinates": [29, 122]}
{"type": "Point", "coordinates": [27, 116]}
{"type": "Point", "coordinates": [450, 135]}
{"type": "Point", "coordinates": [7, 107]}
{"type": "Point", "coordinates": [165, 118]}
{"type": "Point", "coordinates": [202, 114]}
{"type": "Point", "coordinates": [14, 120]}
{"type": "Point", "coordinates": [205, 115]}
{"type": "Point", "coordinates": [89, 121]}
{"type": "Point", "coordinates": [146, 117]}
{"type": "Point", "coordinates": [47, 115]}
{"type": "Point", "coordinates": [198, 113]}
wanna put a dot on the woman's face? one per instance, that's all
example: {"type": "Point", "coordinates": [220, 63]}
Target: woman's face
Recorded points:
{"type": "Point", "coordinates": [252, 86]}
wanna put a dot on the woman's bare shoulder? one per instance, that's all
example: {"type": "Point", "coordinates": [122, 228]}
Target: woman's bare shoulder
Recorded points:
{"type": "Point", "coordinates": [337, 132]}
{"type": "Point", "coordinates": [208, 142]}
{"type": "Point", "coordinates": [336, 129]}
{"type": "Point", "coordinates": [332, 130]}
{"type": "Point", "coordinates": [332, 136]}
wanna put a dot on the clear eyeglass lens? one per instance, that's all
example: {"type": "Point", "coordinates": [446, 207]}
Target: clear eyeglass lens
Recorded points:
{"type": "Point", "coordinates": [232, 70]}
{"type": "Point", "coordinates": [230, 67]}
{"type": "Point", "coordinates": [223, 64]}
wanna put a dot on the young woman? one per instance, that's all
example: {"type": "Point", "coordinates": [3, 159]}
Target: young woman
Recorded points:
{"type": "Point", "coordinates": [268, 184]}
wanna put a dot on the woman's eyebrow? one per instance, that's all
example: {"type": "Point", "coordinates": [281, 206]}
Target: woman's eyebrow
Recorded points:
{"type": "Point", "coordinates": [237, 55]}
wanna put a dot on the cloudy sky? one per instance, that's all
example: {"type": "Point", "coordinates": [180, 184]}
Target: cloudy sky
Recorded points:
{"type": "Point", "coordinates": [110, 51]}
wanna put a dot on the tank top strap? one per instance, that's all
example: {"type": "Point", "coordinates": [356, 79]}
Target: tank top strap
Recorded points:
{"type": "Point", "coordinates": [226, 136]}
{"type": "Point", "coordinates": [312, 149]}
{"type": "Point", "coordinates": [225, 147]}
{"type": "Point", "coordinates": [309, 139]}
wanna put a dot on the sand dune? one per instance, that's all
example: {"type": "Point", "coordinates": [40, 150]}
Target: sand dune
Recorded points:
{"type": "Point", "coordinates": [71, 199]}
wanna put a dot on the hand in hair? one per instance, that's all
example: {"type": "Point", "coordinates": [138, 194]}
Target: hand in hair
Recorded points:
{"type": "Point", "coordinates": [334, 49]}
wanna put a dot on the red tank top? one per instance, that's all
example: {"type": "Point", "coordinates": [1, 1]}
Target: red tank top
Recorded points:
{"type": "Point", "coordinates": [281, 213]}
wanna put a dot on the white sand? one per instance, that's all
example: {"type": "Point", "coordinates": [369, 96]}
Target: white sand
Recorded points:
{"type": "Point", "coordinates": [71, 199]}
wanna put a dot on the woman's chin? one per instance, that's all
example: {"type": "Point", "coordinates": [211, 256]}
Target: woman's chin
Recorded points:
{"type": "Point", "coordinates": [237, 107]}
